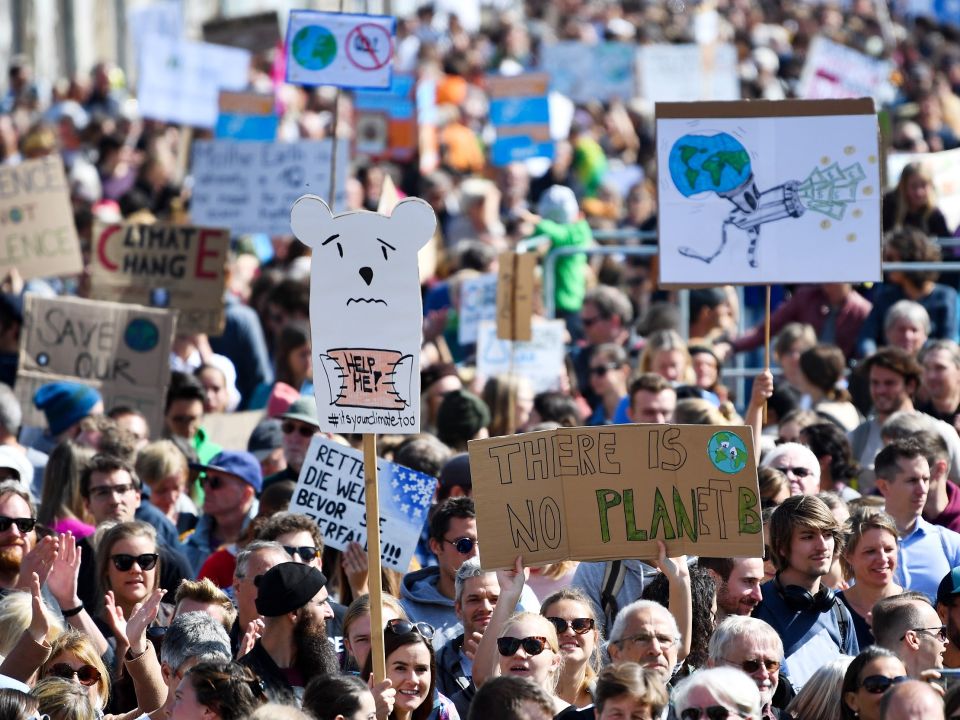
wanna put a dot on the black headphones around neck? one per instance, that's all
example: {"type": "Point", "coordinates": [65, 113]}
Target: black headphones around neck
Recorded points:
{"type": "Point", "coordinates": [798, 598]}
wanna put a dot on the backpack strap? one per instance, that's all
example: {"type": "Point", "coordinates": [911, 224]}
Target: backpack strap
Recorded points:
{"type": "Point", "coordinates": [613, 574]}
{"type": "Point", "coordinates": [842, 622]}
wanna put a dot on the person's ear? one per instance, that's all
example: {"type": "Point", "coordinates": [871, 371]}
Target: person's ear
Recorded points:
{"type": "Point", "coordinates": [613, 650]}
{"type": "Point", "coordinates": [882, 486]}
{"type": "Point", "coordinates": [435, 547]}
{"type": "Point", "coordinates": [165, 672]}
{"type": "Point", "coordinates": [852, 701]}
{"type": "Point", "coordinates": [458, 609]}
{"type": "Point", "coordinates": [943, 612]}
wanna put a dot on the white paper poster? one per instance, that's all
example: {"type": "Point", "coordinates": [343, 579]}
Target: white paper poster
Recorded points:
{"type": "Point", "coordinates": [540, 360]}
{"type": "Point", "coordinates": [365, 313]}
{"type": "Point", "coordinates": [687, 73]}
{"type": "Point", "coordinates": [833, 72]}
{"type": "Point", "coordinates": [585, 72]}
{"type": "Point", "coordinates": [753, 199]}
{"type": "Point", "coordinates": [478, 302]}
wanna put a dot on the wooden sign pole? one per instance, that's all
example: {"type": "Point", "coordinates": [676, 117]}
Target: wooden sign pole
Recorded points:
{"type": "Point", "coordinates": [374, 577]}
{"type": "Point", "coordinates": [766, 346]}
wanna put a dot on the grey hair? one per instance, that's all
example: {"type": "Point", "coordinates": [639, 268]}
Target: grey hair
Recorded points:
{"type": "Point", "coordinates": [907, 310]}
{"type": "Point", "coordinates": [813, 465]}
{"type": "Point", "coordinates": [894, 616]}
{"type": "Point", "coordinates": [949, 346]}
{"type": "Point", "coordinates": [620, 623]}
{"type": "Point", "coordinates": [11, 414]}
{"type": "Point", "coordinates": [469, 569]}
{"type": "Point", "coordinates": [243, 557]}
{"type": "Point", "coordinates": [728, 685]}
{"type": "Point", "coordinates": [907, 423]}
{"type": "Point", "coordinates": [194, 635]}
{"type": "Point", "coordinates": [736, 627]}
{"type": "Point", "coordinates": [818, 698]}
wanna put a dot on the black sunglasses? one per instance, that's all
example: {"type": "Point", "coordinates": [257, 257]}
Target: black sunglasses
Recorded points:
{"type": "Point", "coordinates": [123, 562]}
{"type": "Point", "coordinates": [879, 684]}
{"type": "Point", "coordinates": [800, 472]}
{"type": "Point", "coordinates": [24, 525]}
{"type": "Point", "coordinates": [601, 370]}
{"type": "Point", "coordinates": [580, 626]}
{"type": "Point", "coordinates": [86, 674]}
{"type": "Point", "coordinates": [532, 645]}
{"type": "Point", "coordinates": [214, 482]}
{"type": "Point", "coordinates": [304, 430]}
{"type": "Point", "coordinates": [402, 627]}
{"type": "Point", "coordinates": [464, 545]}
{"type": "Point", "coordinates": [306, 552]}
{"type": "Point", "coordinates": [713, 712]}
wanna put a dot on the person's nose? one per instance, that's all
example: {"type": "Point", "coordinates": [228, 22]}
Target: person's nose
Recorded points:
{"type": "Point", "coordinates": [755, 593]}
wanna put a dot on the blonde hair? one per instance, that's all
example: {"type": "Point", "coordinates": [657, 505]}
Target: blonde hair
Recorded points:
{"type": "Point", "coordinates": [204, 591]}
{"type": "Point", "coordinates": [16, 611]}
{"type": "Point", "coordinates": [160, 459]}
{"type": "Point", "coordinates": [592, 666]}
{"type": "Point", "coordinates": [862, 520]}
{"type": "Point", "coordinates": [80, 645]}
{"type": "Point", "coordinates": [61, 699]}
{"type": "Point", "coordinates": [500, 393]}
{"type": "Point", "coordinates": [665, 341]}
{"type": "Point", "coordinates": [549, 632]}
{"type": "Point", "coordinates": [911, 170]}
{"type": "Point", "coordinates": [696, 411]}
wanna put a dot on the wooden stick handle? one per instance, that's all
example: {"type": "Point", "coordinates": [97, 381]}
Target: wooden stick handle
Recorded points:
{"type": "Point", "coordinates": [766, 346]}
{"type": "Point", "coordinates": [374, 578]}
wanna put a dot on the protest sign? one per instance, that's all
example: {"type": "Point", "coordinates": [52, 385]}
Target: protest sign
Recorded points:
{"type": "Point", "coordinates": [246, 116]}
{"type": "Point", "coordinates": [833, 72]}
{"type": "Point", "coordinates": [231, 430]}
{"type": "Point", "coordinates": [478, 302]}
{"type": "Point", "coordinates": [404, 106]}
{"type": "Point", "coordinates": [174, 266]}
{"type": "Point", "coordinates": [249, 187]}
{"type": "Point", "coordinates": [180, 80]}
{"type": "Point", "coordinates": [740, 204]}
{"type": "Point", "coordinates": [159, 18]}
{"type": "Point", "coordinates": [515, 293]}
{"type": "Point", "coordinates": [257, 33]}
{"type": "Point", "coordinates": [690, 72]}
{"type": "Point", "coordinates": [520, 113]}
{"type": "Point", "coordinates": [341, 49]}
{"type": "Point", "coordinates": [37, 234]}
{"type": "Point", "coordinates": [331, 491]}
{"type": "Point", "coordinates": [585, 72]}
{"type": "Point", "coordinates": [122, 350]}
{"type": "Point", "coordinates": [540, 360]}
{"type": "Point", "coordinates": [946, 12]}
{"type": "Point", "coordinates": [944, 169]}
{"type": "Point", "coordinates": [611, 492]}
{"type": "Point", "coordinates": [365, 313]}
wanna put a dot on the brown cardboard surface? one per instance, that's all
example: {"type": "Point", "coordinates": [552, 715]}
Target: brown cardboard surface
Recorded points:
{"type": "Point", "coordinates": [130, 262]}
{"type": "Point", "coordinates": [515, 289]}
{"type": "Point", "coordinates": [37, 234]}
{"type": "Point", "coordinates": [765, 108]}
{"type": "Point", "coordinates": [259, 32]}
{"type": "Point", "coordinates": [122, 350]}
{"type": "Point", "coordinates": [232, 430]}
{"type": "Point", "coordinates": [610, 492]}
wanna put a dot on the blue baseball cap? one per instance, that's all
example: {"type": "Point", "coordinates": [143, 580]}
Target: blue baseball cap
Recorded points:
{"type": "Point", "coordinates": [243, 465]}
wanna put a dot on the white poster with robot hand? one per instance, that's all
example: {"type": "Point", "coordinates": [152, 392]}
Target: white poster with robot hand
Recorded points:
{"type": "Point", "coordinates": [365, 313]}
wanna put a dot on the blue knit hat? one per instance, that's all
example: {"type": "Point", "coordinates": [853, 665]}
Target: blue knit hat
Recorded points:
{"type": "Point", "coordinates": [65, 403]}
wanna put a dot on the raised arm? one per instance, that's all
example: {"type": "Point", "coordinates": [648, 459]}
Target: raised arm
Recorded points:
{"type": "Point", "coordinates": [62, 582]}
{"type": "Point", "coordinates": [485, 664]}
{"type": "Point", "coordinates": [681, 598]}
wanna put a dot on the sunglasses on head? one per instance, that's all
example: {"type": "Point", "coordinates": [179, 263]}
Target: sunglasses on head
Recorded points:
{"type": "Point", "coordinates": [86, 674]}
{"type": "Point", "coordinates": [24, 525]}
{"type": "Point", "coordinates": [402, 627]}
{"type": "Point", "coordinates": [751, 666]}
{"type": "Point", "coordinates": [304, 430]}
{"type": "Point", "coordinates": [306, 552]}
{"type": "Point", "coordinates": [580, 625]}
{"type": "Point", "coordinates": [464, 545]}
{"type": "Point", "coordinates": [879, 684]}
{"type": "Point", "coordinates": [712, 712]}
{"type": "Point", "coordinates": [123, 562]}
{"type": "Point", "coordinates": [532, 645]}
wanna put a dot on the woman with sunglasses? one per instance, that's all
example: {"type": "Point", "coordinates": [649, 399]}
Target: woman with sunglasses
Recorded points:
{"type": "Point", "coordinates": [217, 691]}
{"type": "Point", "coordinates": [627, 690]}
{"type": "Point", "coordinates": [869, 676]}
{"type": "Point", "coordinates": [717, 694]}
{"type": "Point", "coordinates": [571, 613]}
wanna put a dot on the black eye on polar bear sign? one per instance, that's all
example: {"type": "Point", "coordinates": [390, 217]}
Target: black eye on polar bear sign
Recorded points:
{"type": "Point", "coordinates": [367, 274]}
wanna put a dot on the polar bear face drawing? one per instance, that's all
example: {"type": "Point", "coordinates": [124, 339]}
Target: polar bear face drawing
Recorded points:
{"type": "Point", "coordinates": [365, 312]}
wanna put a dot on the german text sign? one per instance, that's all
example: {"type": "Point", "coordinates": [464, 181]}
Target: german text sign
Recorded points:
{"type": "Point", "coordinates": [610, 493]}
{"type": "Point", "coordinates": [122, 350]}
{"type": "Point", "coordinates": [37, 234]}
{"type": "Point", "coordinates": [331, 491]}
{"type": "Point", "coordinates": [176, 266]}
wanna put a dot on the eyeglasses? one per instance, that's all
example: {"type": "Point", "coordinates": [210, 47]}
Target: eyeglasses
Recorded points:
{"type": "Point", "coordinates": [665, 641]}
{"type": "Point", "coordinates": [464, 545]}
{"type": "Point", "coordinates": [24, 525]}
{"type": "Point", "coordinates": [532, 645]}
{"type": "Point", "coordinates": [580, 626]}
{"type": "Point", "coordinates": [104, 492]}
{"type": "Point", "coordinates": [800, 472]}
{"type": "Point", "coordinates": [751, 666]}
{"type": "Point", "coordinates": [304, 430]}
{"type": "Point", "coordinates": [402, 627]}
{"type": "Point", "coordinates": [712, 712]}
{"type": "Point", "coordinates": [601, 370]}
{"type": "Point", "coordinates": [879, 684]}
{"type": "Point", "coordinates": [938, 632]}
{"type": "Point", "coordinates": [86, 674]}
{"type": "Point", "coordinates": [306, 552]}
{"type": "Point", "coordinates": [123, 562]}
{"type": "Point", "coordinates": [212, 482]}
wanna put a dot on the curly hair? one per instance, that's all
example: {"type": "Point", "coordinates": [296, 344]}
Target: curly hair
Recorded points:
{"type": "Point", "coordinates": [703, 591]}
{"type": "Point", "coordinates": [228, 688]}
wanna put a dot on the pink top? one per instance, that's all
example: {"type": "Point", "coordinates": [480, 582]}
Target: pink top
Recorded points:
{"type": "Point", "coordinates": [79, 529]}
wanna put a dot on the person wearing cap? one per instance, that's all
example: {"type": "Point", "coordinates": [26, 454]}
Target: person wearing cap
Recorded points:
{"type": "Point", "coordinates": [948, 609]}
{"type": "Point", "coordinates": [293, 646]}
{"type": "Point", "coordinates": [231, 482]}
{"type": "Point", "coordinates": [64, 404]}
{"type": "Point", "coordinates": [298, 425]}
{"type": "Point", "coordinates": [266, 445]}
{"type": "Point", "coordinates": [462, 417]}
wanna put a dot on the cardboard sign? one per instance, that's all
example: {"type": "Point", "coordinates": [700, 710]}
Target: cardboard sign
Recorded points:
{"type": "Point", "coordinates": [365, 313]}
{"type": "Point", "coordinates": [520, 113]}
{"type": "Point", "coordinates": [689, 72]}
{"type": "Point", "coordinates": [834, 72]}
{"type": "Point", "coordinates": [231, 430]}
{"type": "Point", "coordinates": [515, 291]}
{"type": "Point", "coordinates": [610, 493]}
{"type": "Point", "coordinates": [246, 116]}
{"type": "Point", "coordinates": [257, 33]}
{"type": "Point", "coordinates": [180, 80]}
{"type": "Point", "coordinates": [340, 49]}
{"type": "Point", "coordinates": [249, 187]}
{"type": "Point", "coordinates": [409, 106]}
{"type": "Point", "coordinates": [585, 72]}
{"type": "Point", "coordinates": [331, 491]}
{"type": "Point", "coordinates": [540, 360]}
{"type": "Point", "coordinates": [944, 168]}
{"type": "Point", "coordinates": [478, 302]}
{"type": "Point", "coordinates": [175, 266]}
{"type": "Point", "coordinates": [122, 350]}
{"type": "Point", "coordinates": [37, 234]}
{"type": "Point", "coordinates": [739, 205]}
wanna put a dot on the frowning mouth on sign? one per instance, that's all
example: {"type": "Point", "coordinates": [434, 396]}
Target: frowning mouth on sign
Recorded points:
{"type": "Point", "coordinates": [366, 300]}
